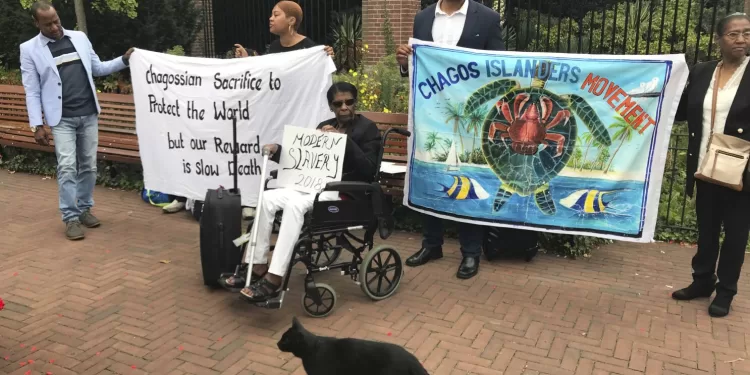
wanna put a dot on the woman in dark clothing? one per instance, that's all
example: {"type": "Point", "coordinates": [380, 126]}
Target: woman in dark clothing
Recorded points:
{"type": "Point", "coordinates": [285, 20]}
{"type": "Point", "coordinates": [717, 205]}
{"type": "Point", "coordinates": [363, 145]}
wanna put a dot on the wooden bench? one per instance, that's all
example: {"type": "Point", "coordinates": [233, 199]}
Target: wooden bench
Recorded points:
{"type": "Point", "coordinates": [118, 141]}
{"type": "Point", "coordinates": [117, 136]}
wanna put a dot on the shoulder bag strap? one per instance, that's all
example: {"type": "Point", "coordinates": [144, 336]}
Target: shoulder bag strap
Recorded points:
{"type": "Point", "coordinates": [713, 103]}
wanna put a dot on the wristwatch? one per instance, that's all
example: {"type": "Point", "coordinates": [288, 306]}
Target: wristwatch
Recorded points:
{"type": "Point", "coordinates": [33, 129]}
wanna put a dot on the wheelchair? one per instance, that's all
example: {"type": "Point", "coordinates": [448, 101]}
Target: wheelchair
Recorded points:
{"type": "Point", "coordinates": [327, 231]}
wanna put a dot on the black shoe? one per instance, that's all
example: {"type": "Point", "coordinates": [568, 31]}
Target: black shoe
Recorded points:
{"type": "Point", "coordinates": [720, 306]}
{"type": "Point", "coordinates": [423, 256]}
{"type": "Point", "coordinates": [469, 268]}
{"type": "Point", "coordinates": [694, 291]}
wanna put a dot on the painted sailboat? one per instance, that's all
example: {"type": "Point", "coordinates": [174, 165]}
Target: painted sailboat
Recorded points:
{"type": "Point", "coordinates": [453, 162]}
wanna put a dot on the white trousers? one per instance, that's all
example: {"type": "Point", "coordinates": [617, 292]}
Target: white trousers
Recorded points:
{"type": "Point", "coordinates": [295, 205]}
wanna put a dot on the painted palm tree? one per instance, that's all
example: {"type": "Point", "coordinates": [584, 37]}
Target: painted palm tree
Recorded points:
{"type": "Point", "coordinates": [433, 140]}
{"type": "Point", "coordinates": [455, 113]}
{"type": "Point", "coordinates": [623, 132]}
{"type": "Point", "coordinates": [588, 141]}
{"type": "Point", "coordinates": [474, 122]}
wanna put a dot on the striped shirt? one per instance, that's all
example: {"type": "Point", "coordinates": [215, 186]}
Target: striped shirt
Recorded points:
{"type": "Point", "coordinates": [77, 96]}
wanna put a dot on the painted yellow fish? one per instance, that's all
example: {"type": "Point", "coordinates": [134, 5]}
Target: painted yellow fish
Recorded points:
{"type": "Point", "coordinates": [588, 201]}
{"type": "Point", "coordinates": [465, 188]}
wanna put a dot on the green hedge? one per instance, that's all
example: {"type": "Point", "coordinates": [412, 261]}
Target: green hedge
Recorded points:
{"type": "Point", "coordinates": [130, 177]}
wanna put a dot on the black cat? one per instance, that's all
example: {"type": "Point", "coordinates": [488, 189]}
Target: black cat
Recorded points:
{"type": "Point", "coordinates": [332, 356]}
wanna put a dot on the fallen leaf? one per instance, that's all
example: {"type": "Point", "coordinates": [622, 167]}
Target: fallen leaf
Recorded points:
{"type": "Point", "coordinates": [735, 360]}
{"type": "Point", "coordinates": [165, 261]}
{"type": "Point", "coordinates": [669, 286]}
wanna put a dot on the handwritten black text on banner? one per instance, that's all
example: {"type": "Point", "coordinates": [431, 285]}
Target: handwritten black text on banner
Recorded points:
{"type": "Point", "coordinates": [310, 159]}
{"type": "Point", "coordinates": [185, 108]}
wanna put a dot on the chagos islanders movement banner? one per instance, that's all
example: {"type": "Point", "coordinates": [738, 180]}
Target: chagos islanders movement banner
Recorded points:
{"type": "Point", "coordinates": [185, 107]}
{"type": "Point", "coordinates": [561, 143]}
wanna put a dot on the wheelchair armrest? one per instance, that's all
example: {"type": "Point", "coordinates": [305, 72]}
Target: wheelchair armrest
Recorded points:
{"type": "Point", "coordinates": [350, 187]}
{"type": "Point", "coordinates": [274, 174]}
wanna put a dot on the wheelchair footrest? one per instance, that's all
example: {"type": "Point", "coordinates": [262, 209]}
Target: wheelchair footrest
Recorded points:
{"type": "Point", "coordinates": [274, 303]}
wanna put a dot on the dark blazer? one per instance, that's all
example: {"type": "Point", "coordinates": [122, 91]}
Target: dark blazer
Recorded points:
{"type": "Point", "coordinates": [362, 149]}
{"type": "Point", "coordinates": [482, 29]}
{"type": "Point", "coordinates": [691, 109]}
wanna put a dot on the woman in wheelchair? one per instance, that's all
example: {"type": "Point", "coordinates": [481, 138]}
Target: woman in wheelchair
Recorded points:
{"type": "Point", "coordinates": [360, 164]}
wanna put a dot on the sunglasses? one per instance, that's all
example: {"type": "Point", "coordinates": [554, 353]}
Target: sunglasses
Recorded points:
{"type": "Point", "coordinates": [338, 103]}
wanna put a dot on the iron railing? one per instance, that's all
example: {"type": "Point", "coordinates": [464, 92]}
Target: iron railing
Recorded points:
{"type": "Point", "coordinates": [246, 23]}
{"type": "Point", "coordinates": [624, 27]}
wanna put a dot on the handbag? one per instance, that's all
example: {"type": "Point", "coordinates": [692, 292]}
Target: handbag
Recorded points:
{"type": "Point", "coordinates": [726, 160]}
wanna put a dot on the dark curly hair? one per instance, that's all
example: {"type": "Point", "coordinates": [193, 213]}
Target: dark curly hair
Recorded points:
{"type": "Point", "coordinates": [341, 87]}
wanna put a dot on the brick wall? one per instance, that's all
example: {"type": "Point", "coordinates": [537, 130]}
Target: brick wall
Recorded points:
{"type": "Point", "coordinates": [401, 14]}
{"type": "Point", "coordinates": [198, 48]}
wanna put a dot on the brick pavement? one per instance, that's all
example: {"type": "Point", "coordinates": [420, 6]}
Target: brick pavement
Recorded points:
{"type": "Point", "coordinates": [108, 305]}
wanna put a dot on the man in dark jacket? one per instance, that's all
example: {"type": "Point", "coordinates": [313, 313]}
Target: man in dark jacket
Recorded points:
{"type": "Point", "coordinates": [468, 24]}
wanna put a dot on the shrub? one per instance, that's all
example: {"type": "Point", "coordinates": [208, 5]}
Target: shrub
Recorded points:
{"type": "Point", "coordinates": [381, 87]}
{"type": "Point", "coordinates": [10, 77]}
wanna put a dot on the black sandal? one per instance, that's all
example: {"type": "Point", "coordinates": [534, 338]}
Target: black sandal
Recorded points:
{"type": "Point", "coordinates": [236, 283]}
{"type": "Point", "coordinates": [262, 291]}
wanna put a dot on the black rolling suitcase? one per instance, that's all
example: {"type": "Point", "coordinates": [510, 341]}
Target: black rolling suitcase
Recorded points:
{"type": "Point", "coordinates": [508, 243]}
{"type": "Point", "coordinates": [221, 223]}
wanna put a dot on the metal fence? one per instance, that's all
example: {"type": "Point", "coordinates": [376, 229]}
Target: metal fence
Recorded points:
{"type": "Point", "coordinates": [624, 27]}
{"type": "Point", "coordinates": [246, 23]}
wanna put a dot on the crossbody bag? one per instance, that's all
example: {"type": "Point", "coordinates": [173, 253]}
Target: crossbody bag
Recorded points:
{"type": "Point", "coordinates": [726, 160]}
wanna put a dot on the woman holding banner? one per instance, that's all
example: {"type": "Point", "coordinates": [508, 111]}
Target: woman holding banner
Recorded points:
{"type": "Point", "coordinates": [285, 21]}
{"type": "Point", "coordinates": [286, 18]}
{"type": "Point", "coordinates": [363, 143]}
{"type": "Point", "coordinates": [715, 102]}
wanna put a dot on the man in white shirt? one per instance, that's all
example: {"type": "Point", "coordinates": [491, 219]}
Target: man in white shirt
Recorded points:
{"type": "Point", "coordinates": [468, 24]}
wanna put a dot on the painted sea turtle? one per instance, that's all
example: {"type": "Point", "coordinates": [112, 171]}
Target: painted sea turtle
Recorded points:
{"type": "Point", "coordinates": [522, 120]}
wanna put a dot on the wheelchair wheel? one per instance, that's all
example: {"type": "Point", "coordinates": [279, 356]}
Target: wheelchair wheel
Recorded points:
{"type": "Point", "coordinates": [380, 273]}
{"type": "Point", "coordinates": [325, 254]}
{"type": "Point", "coordinates": [327, 301]}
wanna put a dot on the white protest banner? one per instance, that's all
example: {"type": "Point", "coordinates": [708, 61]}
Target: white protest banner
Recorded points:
{"type": "Point", "coordinates": [310, 158]}
{"type": "Point", "coordinates": [185, 106]}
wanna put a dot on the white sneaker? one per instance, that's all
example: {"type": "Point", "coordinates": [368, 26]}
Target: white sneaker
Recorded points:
{"type": "Point", "coordinates": [175, 206]}
{"type": "Point", "coordinates": [248, 212]}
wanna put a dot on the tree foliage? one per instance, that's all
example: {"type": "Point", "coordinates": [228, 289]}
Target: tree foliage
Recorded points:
{"type": "Point", "coordinates": [159, 26]}
{"type": "Point", "coordinates": [126, 7]}
{"type": "Point", "coordinates": [617, 27]}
